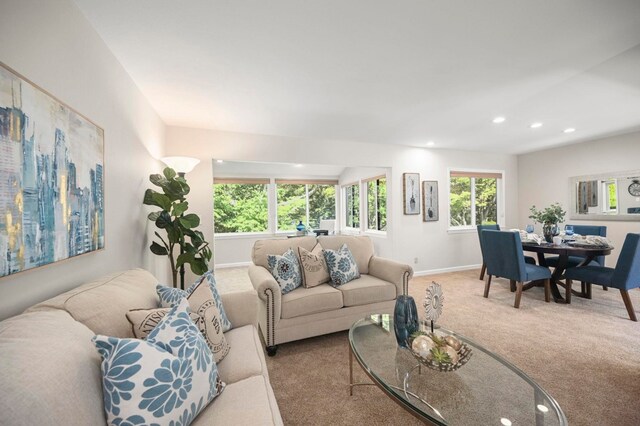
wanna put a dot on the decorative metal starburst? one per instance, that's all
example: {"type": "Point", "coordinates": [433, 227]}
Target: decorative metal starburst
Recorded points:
{"type": "Point", "coordinates": [433, 302]}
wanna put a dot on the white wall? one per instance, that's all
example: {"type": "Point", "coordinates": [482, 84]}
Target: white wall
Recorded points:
{"type": "Point", "coordinates": [53, 45]}
{"type": "Point", "coordinates": [544, 178]}
{"type": "Point", "coordinates": [435, 248]}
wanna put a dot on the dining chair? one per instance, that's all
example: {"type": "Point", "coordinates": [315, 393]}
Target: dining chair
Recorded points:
{"type": "Point", "coordinates": [505, 258]}
{"type": "Point", "coordinates": [494, 227]}
{"type": "Point", "coordinates": [625, 276]}
{"type": "Point", "coordinates": [573, 261]}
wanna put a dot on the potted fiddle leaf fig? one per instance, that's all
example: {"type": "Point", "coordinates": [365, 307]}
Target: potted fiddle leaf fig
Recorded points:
{"type": "Point", "coordinates": [179, 227]}
{"type": "Point", "coordinates": [549, 217]}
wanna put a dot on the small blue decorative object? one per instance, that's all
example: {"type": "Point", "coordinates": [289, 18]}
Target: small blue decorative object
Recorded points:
{"type": "Point", "coordinates": [300, 227]}
{"type": "Point", "coordinates": [405, 316]}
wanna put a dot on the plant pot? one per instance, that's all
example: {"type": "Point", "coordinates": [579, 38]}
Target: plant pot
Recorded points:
{"type": "Point", "coordinates": [550, 230]}
{"type": "Point", "coordinates": [405, 319]}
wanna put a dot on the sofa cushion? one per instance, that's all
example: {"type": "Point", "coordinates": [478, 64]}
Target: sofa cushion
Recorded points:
{"type": "Point", "coordinates": [169, 377]}
{"type": "Point", "coordinates": [367, 289]}
{"type": "Point", "coordinates": [342, 266]}
{"type": "Point", "coordinates": [246, 357]}
{"type": "Point", "coordinates": [305, 301]}
{"type": "Point", "coordinates": [263, 248]}
{"type": "Point", "coordinates": [170, 296]}
{"type": "Point", "coordinates": [50, 371]}
{"type": "Point", "coordinates": [286, 270]}
{"type": "Point", "coordinates": [361, 247]}
{"type": "Point", "coordinates": [102, 305]}
{"type": "Point", "coordinates": [248, 402]}
{"type": "Point", "coordinates": [313, 266]}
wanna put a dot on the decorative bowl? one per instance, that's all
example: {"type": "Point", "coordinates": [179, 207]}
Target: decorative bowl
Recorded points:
{"type": "Point", "coordinates": [464, 354]}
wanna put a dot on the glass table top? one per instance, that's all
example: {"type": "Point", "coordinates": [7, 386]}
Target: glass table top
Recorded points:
{"type": "Point", "coordinates": [487, 390]}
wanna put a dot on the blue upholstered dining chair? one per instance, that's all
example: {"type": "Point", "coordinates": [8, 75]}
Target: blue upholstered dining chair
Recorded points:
{"type": "Point", "coordinates": [504, 257]}
{"type": "Point", "coordinates": [624, 277]}
{"type": "Point", "coordinates": [495, 227]}
{"type": "Point", "coordinates": [573, 261]}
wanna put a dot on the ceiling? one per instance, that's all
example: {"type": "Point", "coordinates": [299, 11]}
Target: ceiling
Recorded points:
{"type": "Point", "coordinates": [397, 72]}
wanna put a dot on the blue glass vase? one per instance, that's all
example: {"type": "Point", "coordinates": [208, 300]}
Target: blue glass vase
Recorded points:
{"type": "Point", "coordinates": [300, 227]}
{"type": "Point", "coordinates": [405, 319]}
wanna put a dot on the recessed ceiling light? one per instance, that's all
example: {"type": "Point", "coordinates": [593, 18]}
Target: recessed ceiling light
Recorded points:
{"type": "Point", "coordinates": [430, 143]}
{"type": "Point", "coordinates": [219, 161]}
{"type": "Point", "coordinates": [505, 422]}
{"type": "Point", "coordinates": [542, 408]}
{"type": "Point", "coordinates": [499, 120]}
{"type": "Point", "coordinates": [297, 165]}
{"type": "Point", "coordinates": [569, 130]}
{"type": "Point", "coordinates": [535, 125]}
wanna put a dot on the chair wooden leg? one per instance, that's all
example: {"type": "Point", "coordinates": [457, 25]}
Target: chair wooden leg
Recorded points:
{"type": "Point", "coordinates": [567, 290]}
{"type": "Point", "coordinates": [629, 306]}
{"type": "Point", "coordinates": [512, 285]}
{"type": "Point", "coordinates": [483, 270]}
{"type": "Point", "coordinates": [605, 288]}
{"type": "Point", "coordinates": [518, 294]}
{"type": "Point", "coordinates": [487, 284]}
{"type": "Point", "coordinates": [589, 290]}
{"type": "Point", "coordinates": [547, 291]}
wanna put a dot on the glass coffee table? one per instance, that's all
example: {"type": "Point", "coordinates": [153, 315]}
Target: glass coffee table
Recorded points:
{"type": "Point", "coordinates": [486, 391]}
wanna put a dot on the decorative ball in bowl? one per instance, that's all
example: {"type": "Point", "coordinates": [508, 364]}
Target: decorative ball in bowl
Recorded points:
{"type": "Point", "coordinates": [442, 353]}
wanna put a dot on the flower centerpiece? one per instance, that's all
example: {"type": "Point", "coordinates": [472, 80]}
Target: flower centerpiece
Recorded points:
{"type": "Point", "coordinates": [549, 217]}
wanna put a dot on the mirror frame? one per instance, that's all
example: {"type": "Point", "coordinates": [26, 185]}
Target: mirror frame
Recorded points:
{"type": "Point", "coordinates": [573, 191]}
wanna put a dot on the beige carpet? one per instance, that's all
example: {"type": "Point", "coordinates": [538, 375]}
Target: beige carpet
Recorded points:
{"type": "Point", "coordinates": [586, 355]}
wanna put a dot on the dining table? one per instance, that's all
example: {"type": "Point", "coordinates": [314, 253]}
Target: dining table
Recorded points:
{"type": "Point", "coordinates": [564, 251]}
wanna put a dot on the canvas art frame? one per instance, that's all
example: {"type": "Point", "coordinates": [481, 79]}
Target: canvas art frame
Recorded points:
{"type": "Point", "coordinates": [51, 178]}
{"type": "Point", "coordinates": [430, 207]}
{"type": "Point", "coordinates": [411, 193]}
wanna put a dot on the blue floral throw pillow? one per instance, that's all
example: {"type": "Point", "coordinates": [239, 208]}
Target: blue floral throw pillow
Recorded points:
{"type": "Point", "coordinates": [286, 270]}
{"type": "Point", "coordinates": [167, 379]}
{"type": "Point", "coordinates": [342, 266]}
{"type": "Point", "coordinates": [169, 296]}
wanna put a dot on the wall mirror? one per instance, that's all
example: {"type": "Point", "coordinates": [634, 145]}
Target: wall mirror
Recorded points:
{"type": "Point", "coordinates": [607, 196]}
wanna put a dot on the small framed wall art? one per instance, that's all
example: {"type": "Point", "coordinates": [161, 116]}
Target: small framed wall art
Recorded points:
{"type": "Point", "coordinates": [411, 193]}
{"type": "Point", "coordinates": [430, 201]}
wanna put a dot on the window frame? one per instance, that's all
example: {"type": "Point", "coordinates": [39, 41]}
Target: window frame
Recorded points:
{"type": "Point", "coordinates": [343, 196]}
{"type": "Point", "coordinates": [245, 181]}
{"type": "Point", "coordinates": [306, 183]}
{"type": "Point", "coordinates": [606, 208]}
{"type": "Point", "coordinates": [500, 199]}
{"type": "Point", "coordinates": [365, 187]}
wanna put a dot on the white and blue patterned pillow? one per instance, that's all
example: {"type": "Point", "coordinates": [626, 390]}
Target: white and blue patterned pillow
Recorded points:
{"type": "Point", "coordinates": [286, 270]}
{"type": "Point", "coordinates": [167, 379]}
{"type": "Point", "coordinates": [169, 296]}
{"type": "Point", "coordinates": [342, 265]}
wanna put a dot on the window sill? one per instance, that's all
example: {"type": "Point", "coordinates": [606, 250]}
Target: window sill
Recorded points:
{"type": "Point", "coordinates": [465, 230]}
{"type": "Point", "coordinates": [242, 235]}
{"type": "Point", "coordinates": [375, 233]}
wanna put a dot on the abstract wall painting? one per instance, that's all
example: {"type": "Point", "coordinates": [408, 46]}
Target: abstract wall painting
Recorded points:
{"type": "Point", "coordinates": [51, 178]}
{"type": "Point", "coordinates": [430, 200]}
{"type": "Point", "coordinates": [411, 193]}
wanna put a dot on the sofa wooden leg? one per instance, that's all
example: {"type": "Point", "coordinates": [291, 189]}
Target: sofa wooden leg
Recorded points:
{"type": "Point", "coordinates": [518, 294]}
{"type": "Point", "coordinates": [605, 288]}
{"type": "Point", "coordinates": [487, 284]}
{"type": "Point", "coordinates": [483, 270]}
{"type": "Point", "coordinates": [627, 303]}
{"type": "Point", "coordinates": [271, 350]}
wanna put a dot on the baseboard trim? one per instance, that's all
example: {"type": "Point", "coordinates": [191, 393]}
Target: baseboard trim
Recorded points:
{"type": "Point", "coordinates": [231, 265]}
{"type": "Point", "coordinates": [445, 270]}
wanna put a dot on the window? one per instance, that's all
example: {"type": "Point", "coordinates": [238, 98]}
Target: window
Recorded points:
{"type": "Point", "coordinates": [473, 198]}
{"type": "Point", "coordinates": [308, 202]}
{"type": "Point", "coordinates": [377, 203]}
{"type": "Point", "coordinates": [610, 196]}
{"type": "Point", "coordinates": [352, 205]}
{"type": "Point", "coordinates": [240, 205]}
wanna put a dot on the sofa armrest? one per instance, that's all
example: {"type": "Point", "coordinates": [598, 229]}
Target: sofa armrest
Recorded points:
{"type": "Point", "coordinates": [391, 271]}
{"type": "Point", "coordinates": [267, 288]}
{"type": "Point", "coordinates": [241, 307]}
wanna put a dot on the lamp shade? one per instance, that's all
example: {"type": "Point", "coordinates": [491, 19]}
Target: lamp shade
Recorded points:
{"type": "Point", "coordinates": [181, 164]}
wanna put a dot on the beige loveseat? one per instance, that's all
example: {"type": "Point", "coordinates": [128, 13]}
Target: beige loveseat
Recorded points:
{"type": "Point", "coordinates": [308, 312]}
{"type": "Point", "coordinates": [50, 369]}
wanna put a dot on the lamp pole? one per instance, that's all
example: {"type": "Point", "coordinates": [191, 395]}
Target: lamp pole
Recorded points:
{"type": "Point", "coordinates": [181, 174]}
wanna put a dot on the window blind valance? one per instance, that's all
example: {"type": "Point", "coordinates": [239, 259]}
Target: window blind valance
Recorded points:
{"type": "Point", "coordinates": [245, 181]}
{"type": "Point", "coordinates": [477, 175]}
{"type": "Point", "coordinates": [306, 181]}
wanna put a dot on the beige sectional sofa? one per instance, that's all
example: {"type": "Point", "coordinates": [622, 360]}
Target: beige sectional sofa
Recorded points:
{"type": "Point", "coordinates": [308, 312]}
{"type": "Point", "coordinates": [50, 369]}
